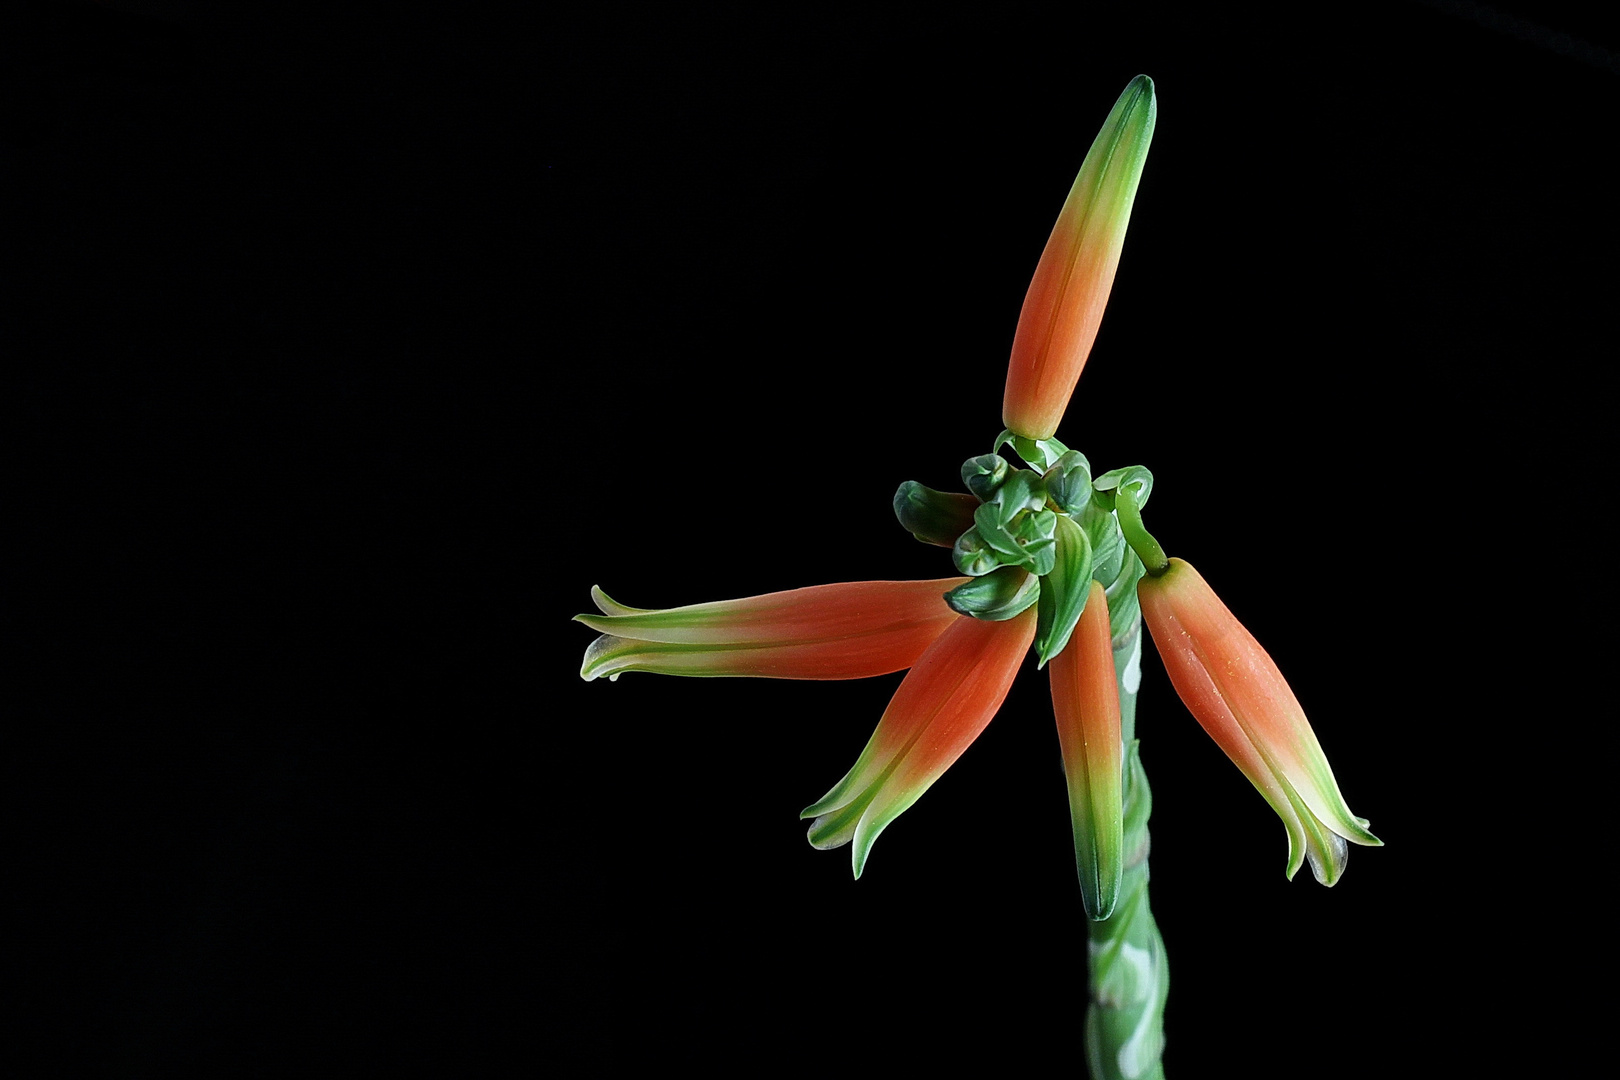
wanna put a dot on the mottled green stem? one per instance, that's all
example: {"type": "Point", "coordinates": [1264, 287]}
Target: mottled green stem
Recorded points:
{"type": "Point", "coordinates": [1130, 977]}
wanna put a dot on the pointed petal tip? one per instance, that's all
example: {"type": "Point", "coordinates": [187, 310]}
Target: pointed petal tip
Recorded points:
{"type": "Point", "coordinates": [1360, 834]}
{"type": "Point", "coordinates": [836, 799]}
{"type": "Point", "coordinates": [1101, 909]}
{"type": "Point", "coordinates": [609, 606]}
{"type": "Point", "coordinates": [1364, 835]}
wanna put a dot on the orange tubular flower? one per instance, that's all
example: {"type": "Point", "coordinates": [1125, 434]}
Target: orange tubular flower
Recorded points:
{"type": "Point", "coordinates": [1085, 699]}
{"type": "Point", "coordinates": [1233, 688]}
{"type": "Point", "coordinates": [1065, 302]}
{"type": "Point", "coordinates": [852, 630]}
{"type": "Point", "coordinates": [946, 700]}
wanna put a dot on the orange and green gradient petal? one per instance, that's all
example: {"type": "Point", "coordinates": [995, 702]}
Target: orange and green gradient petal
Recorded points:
{"type": "Point", "coordinates": [947, 698]}
{"type": "Point", "coordinates": [851, 630]}
{"type": "Point", "coordinates": [1085, 699]}
{"type": "Point", "coordinates": [1066, 297]}
{"type": "Point", "coordinates": [1233, 688]}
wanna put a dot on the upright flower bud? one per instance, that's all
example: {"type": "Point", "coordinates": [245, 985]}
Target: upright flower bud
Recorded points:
{"type": "Point", "coordinates": [1065, 301]}
{"type": "Point", "coordinates": [1233, 688]}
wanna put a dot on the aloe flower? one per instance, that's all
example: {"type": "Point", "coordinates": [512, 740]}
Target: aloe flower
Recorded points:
{"type": "Point", "coordinates": [1053, 560]}
{"type": "Point", "coordinates": [1065, 302]}
{"type": "Point", "coordinates": [848, 631]}
{"type": "Point", "coordinates": [1085, 700]}
{"type": "Point", "coordinates": [943, 704]}
{"type": "Point", "coordinates": [1233, 688]}
{"type": "Point", "coordinates": [961, 670]}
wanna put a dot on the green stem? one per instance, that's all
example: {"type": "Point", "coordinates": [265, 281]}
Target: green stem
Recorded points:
{"type": "Point", "coordinates": [1130, 977]}
{"type": "Point", "coordinates": [1136, 534]}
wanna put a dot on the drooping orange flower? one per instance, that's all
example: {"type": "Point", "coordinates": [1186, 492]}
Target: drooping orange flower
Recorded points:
{"type": "Point", "coordinates": [1085, 700]}
{"type": "Point", "coordinates": [946, 700]}
{"type": "Point", "coordinates": [1233, 688]}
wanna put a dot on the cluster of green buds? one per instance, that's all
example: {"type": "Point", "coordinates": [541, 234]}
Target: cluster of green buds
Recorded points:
{"type": "Point", "coordinates": [1035, 535]}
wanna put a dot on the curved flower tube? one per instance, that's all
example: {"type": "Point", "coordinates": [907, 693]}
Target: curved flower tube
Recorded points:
{"type": "Point", "coordinates": [1085, 699]}
{"type": "Point", "coordinates": [948, 697]}
{"type": "Point", "coordinates": [851, 630]}
{"type": "Point", "coordinates": [1233, 688]}
{"type": "Point", "coordinates": [1064, 305]}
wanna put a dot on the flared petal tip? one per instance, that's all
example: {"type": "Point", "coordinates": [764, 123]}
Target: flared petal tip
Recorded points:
{"type": "Point", "coordinates": [835, 829]}
{"type": "Point", "coordinates": [844, 825]}
{"type": "Point", "coordinates": [609, 606]}
{"type": "Point", "coordinates": [824, 835]}
{"type": "Point", "coordinates": [1328, 863]}
{"type": "Point", "coordinates": [833, 826]}
{"type": "Point", "coordinates": [607, 657]}
{"type": "Point", "coordinates": [1363, 835]}
{"type": "Point", "coordinates": [1328, 852]}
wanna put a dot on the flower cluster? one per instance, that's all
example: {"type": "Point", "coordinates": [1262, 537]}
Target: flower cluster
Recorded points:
{"type": "Point", "coordinates": [1051, 557]}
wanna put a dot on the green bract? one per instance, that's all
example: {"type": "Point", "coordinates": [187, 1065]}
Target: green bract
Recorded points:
{"type": "Point", "coordinates": [1041, 453]}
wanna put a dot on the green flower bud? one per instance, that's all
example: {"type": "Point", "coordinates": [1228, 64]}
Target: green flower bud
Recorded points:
{"type": "Point", "coordinates": [1022, 490]}
{"type": "Point", "coordinates": [995, 534]}
{"type": "Point", "coordinates": [1036, 534]}
{"type": "Point", "coordinates": [934, 517]}
{"type": "Point", "coordinates": [972, 555]}
{"type": "Point", "coordinates": [1068, 482]}
{"type": "Point", "coordinates": [996, 596]}
{"type": "Point", "coordinates": [984, 474]}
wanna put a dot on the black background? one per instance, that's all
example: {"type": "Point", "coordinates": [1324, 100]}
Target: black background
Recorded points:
{"type": "Point", "coordinates": [348, 348]}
